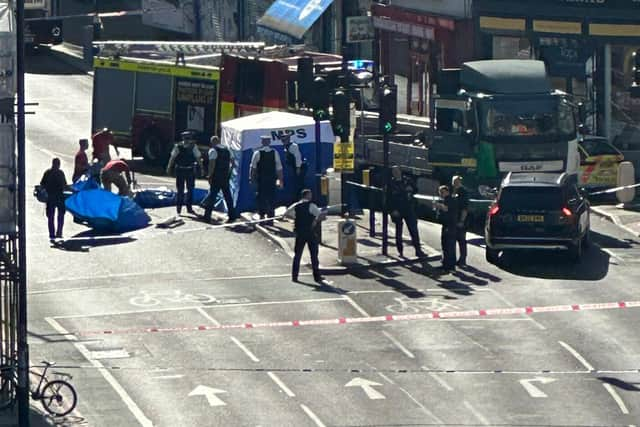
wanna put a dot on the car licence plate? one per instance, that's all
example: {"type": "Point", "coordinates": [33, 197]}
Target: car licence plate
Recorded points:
{"type": "Point", "coordinates": [530, 218]}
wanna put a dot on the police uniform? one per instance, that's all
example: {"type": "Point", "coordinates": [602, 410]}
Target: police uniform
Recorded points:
{"type": "Point", "coordinates": [184, 157]}
{"type": "Point", "coordinates": [449, 219]}
{"type": "Point", "coordinates": [306, 226]}
{"type": "Point", "coordinates": [265, 166]}
{"type": "Point", "coordinates": [293, 159]}
{"type": "Point", "coordinates": [219, 181]}
{"type": "Point", "coordinates": [402, 207]}
{"type": "Point", "coordinates": [462, 198]}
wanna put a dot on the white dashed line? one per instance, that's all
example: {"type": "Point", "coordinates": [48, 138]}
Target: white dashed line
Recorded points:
{"type": "Point", "coordinates": [280, 384]}
{"type": "Point", "coordinates": [440, 381]}
{"type": "Point", "coordinates": [617, 398]}
{"type": "Point", "coordinates": [426, 410]}
{"type": "Point", "coordinates": [127, 400]}
{"type": "Point", "coordinates": [477, 414]}
{"type": "Point", "coordinates": [311, 415]}
{"type": "Point", "coordinates": [399, 345]}
{"type": "Point", "coordinates": [206, 316]}
{"type": "Point", "coordinates": [168, 377]}
{"type": "Point", "coordinates": [245, 349]}
{"type": "Point", "coordinates": [386, 378]}
{"type": "Point", "coordinates": [356, 306]}
{"type": "Point", "coordinates": [577, 355]}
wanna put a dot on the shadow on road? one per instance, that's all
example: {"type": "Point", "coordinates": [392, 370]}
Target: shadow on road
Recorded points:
{"type": "Point", "coordinates": [38, 418]}
{"type": "Point", "coordinates": [41, 61]}
{"type": "Point", "coordinates": [620, 383]}
{"type": "Point", "coordinates": [610, 242]}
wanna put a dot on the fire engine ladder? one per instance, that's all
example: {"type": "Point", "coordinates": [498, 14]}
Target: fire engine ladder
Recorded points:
{"type": "Point", "coordinates": [159, 49]}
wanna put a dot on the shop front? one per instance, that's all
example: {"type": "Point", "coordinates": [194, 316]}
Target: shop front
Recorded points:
{"type": "Point", "coordinates": [587, 46]}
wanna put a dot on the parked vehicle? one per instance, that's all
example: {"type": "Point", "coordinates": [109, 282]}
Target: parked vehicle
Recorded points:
{"type": "Point", "coordinates": [599, 161]}
{"type": "Point", "coordinates": [537, 211]}
{"type": "Point", "coordinates": [41, 24]}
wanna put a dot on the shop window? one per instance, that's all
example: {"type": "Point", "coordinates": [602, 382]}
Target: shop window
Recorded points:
{"type": "Point", "coordinates": [511, 48]}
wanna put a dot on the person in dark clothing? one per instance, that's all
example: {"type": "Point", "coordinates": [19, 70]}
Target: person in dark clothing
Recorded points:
{"type": "Point", "coordinates": [448, 215]}
{"type": "Point", "coordinates": [402, 208]}
{"type": "Point", "coordinates": [266, 172]}
{"type": "Point", "coordinates": [220, 166]}
{"type": "Point", "coordinates": [462, 197]}
{"type": "Point", "coordinates": [185, 156]}
{"type": "Point", "coordinates": [81, 161]}
{"type": "Point", "coordinates": [55, 183]}
{"type": "Point", "coordinates": [307, 220]}
{"type": "Point", "coordinates": [297, 165]}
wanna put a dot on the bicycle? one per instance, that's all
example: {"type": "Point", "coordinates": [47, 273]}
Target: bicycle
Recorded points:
{"type": "Point", "coordinates": [58, 397]}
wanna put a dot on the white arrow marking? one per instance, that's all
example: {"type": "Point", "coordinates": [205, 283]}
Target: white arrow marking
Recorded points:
{"type": "Point", "coordinates": [533, 390]}
{"type": "Point", "coordinates": [210, 394]}
{"type": "Point", "coordinates": [367, 387]}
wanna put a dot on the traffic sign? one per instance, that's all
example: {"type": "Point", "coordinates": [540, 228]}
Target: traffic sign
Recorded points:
{"type": "Point", "coordinates": [343, 157]}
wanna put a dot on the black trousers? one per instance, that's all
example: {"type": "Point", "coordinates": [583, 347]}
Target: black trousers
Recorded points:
{"type": "Point", "coordinates": [298, 184]}
{"type": "Point", "coordinates": [183, 179]}
{"type": "Point", "coordinates": [266, 198]}
{"type": "Point", "coordinates": [210, 200]}
{"type": "Point", "coordinates": [312, 243]}
{"type": "Point", "coordinates": [51, 207]}
{"type": "Point", "coordinates": [412, 226]}
{"type": "Point", "coordinates": [461, 237]}
{"type": "Point", "coordinates": [448, 244]}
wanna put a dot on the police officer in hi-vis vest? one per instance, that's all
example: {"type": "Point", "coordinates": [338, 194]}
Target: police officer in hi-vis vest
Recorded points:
{"type": "Point", "coordinates": [307, 222]}
{"type": "Point", "coordinates": [219, 172]}
{"type": "Point", "coordinates": [266, 172]}
{"type": "Point", "coordinates": [185, 156]}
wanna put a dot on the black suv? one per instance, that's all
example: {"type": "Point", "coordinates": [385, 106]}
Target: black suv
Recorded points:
{"type": "Point", "coordinates": [537, 211]}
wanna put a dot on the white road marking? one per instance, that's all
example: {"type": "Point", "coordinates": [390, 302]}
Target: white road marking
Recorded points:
{"type": "Point", "coordinates": [210, 394]}
{"type": "Point", "coordinates": [424, 408]}
{"type": "Point", "coordinates": [617, 398]}
{"type": "Point", "coordinates": [534, 391]}
{"type": "Point", "coordinates": [168, 377]}
{"type": "Point", "coordinates": [206, 316]}
{"type": "Point", "coordinates": [57, 291]}
{"type": "Point", "coordinates": [386, 378]}
{"type": "Point", "coordinates": [119, 353]}
{"type": "Point", "coordinates": [507, 302]}
{"type": "Point", "coordinates": [440, 381]}
{"type": "Point", "coordinates": [245, 349]}
{"type": "Point", "coordinates": [399, 345]}
{"type": "Point", "coordinates": [311, 415]}
{"type": "Point", "coordinates": [577, 355]}
{"type": "Point", "coordinates": [280, 384]}
{"type": "Point", "coordinates": [395, 291]}
{"type": "Point", "coordinates": [610, 253]}
{"type": "Point", "coordinates": [367, 387]}
{"type": "Point", "coordinates": [477, 414]}
{"type": "Point", "coordinates": [356, 306]}
{"type": "Point", "coordinates": [128, 401]}
{"type": "Point", "coordinates": [159, 310]}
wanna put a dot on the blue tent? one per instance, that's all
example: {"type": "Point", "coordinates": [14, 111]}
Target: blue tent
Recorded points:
{"type": "Point", "coordinates": [242, 137]}
{"type": "Point", "coordinates": [105, 211]}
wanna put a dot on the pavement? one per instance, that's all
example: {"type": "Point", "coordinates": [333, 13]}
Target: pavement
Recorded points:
{"type": "Point", "coordinates": [626, 216]}
{"type": "Point", "coordinates": [369, 247]}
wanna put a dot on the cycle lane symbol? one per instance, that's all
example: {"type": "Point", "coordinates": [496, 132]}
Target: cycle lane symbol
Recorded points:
{"type": "Point", "coordinates": [406, 305]}
{"type": "Point", "coordinates": [151, 299]}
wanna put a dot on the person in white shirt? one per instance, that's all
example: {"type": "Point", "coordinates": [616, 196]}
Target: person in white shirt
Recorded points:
{"type": "Point", "coordinates": [266, 172]}
{"type": "Point", "coordinates": [297, 165]}
{"type": "Point", "coordinates": [307, 222]}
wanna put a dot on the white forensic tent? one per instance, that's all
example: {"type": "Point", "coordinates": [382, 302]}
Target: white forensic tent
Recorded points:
{"type": "Point", "coordinates": [242, 137]}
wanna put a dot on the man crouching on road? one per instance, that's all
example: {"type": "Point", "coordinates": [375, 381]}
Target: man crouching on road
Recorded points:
{"type": "Point", "coordinates": [308, 217]}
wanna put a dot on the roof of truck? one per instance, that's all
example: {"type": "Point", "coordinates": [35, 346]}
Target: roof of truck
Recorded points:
{"type": "Point", "coordinates": [505, 76]}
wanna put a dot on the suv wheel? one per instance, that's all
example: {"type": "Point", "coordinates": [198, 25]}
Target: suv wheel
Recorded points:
{"type": "Point", "coordinates": [491, 255]}
{"type": "Point", "coordinates": [575, 251]}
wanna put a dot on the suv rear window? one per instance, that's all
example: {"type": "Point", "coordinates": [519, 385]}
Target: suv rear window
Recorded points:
{"type": "Point", "coordinates": [531, 198]}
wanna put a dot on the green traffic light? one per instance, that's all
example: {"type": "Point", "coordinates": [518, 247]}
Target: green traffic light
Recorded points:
{"type": "Point", "coordinates": [388, 127]}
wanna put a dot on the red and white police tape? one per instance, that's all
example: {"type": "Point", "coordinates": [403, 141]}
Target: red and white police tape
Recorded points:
{"type": "Point", "coordinates": [435, 315]}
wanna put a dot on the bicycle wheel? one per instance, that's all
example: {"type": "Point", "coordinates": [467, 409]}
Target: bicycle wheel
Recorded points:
{"type": "Point", "coordinates": [7, 390]}
{"type": "Point", "coordinates": [58, 397]}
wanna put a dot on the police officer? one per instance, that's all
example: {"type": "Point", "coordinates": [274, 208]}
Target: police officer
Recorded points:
{"type": "Point", "coordinates": [402, 207]}
{"type": "Point", "coordinates": [307, 221]}
{"type": "Point", "coordinates": [220, 166]}
{"type": "Point", "coordinates": [462, 197]}
{"type": "Point", "coordinates": [266, 172]}
{"type": "Point", "coordinates": [448, 215]}
{"type": "Point", "coordinates": [185, 156]}
{"type": "Point", "coordinates": [297, 165]}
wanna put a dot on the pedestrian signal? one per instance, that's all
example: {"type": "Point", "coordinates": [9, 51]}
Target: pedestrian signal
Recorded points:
{"type": "Point", "coordinates": [388, 109]}
{"type": "Point", "coordinates": [341, 114]}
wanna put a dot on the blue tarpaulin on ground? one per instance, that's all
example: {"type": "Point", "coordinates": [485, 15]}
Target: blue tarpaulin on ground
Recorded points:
{"type": "Point", "coordinates": [151, 198]}
{"type": "Point", "coordinates": [105, 211]}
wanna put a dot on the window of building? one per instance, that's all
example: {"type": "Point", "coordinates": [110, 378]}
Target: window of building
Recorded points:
{"type": "Point", "coordinates": [511, 48]}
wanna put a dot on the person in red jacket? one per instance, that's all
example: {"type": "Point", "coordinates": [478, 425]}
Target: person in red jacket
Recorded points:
{"type": "Point", "coordinates": [81, 162]}
{"type": "Point", "coordinates": [101, 141]}
{"type": "Point", "coordinates": [112, 173]}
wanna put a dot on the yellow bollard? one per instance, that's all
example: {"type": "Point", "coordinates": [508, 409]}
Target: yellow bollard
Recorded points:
{"type": "Point", "coordinates": [324, 185]}
{"type": "Point", "coordinates": [366, 173]}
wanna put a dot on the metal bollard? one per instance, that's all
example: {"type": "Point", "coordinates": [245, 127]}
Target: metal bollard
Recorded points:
{"type": "Point", "coordinates": [366, 180]}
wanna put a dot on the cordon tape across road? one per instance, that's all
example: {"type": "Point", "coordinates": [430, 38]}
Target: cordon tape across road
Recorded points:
{"type": "Point", "coordinates": [435, 315]}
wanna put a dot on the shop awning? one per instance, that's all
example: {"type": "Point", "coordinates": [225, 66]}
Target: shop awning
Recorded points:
{"type": "Point", "coordinates": [293, 17]}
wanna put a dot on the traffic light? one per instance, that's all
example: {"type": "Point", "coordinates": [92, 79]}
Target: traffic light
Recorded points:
{"type": "Point", "coordinates": [305, 79]}
{"type": "Point", "coordinates": [635, 86]}
{"type": "Point", "coordinates": [341, 114]}
{"type": "Point", "coordinates": [319, 98]}
{"type": "Point", "coordinates": [388, 109]}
